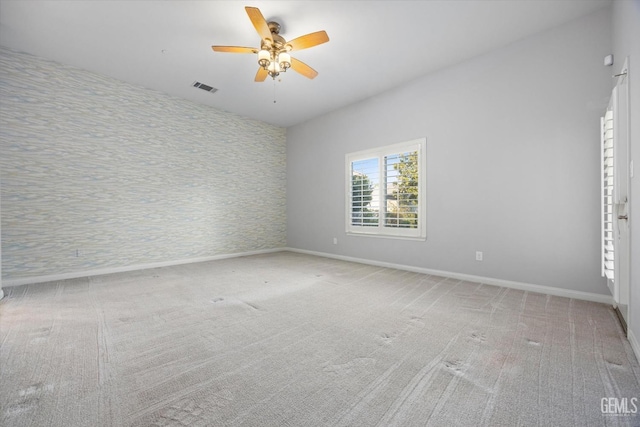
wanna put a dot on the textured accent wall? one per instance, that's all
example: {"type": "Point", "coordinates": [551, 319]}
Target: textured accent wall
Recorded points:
{"type": "Point", "coordinates": [100, 174]}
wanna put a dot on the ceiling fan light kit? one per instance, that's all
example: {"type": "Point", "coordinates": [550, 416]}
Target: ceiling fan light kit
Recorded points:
{"type": "Point", "coordinates": [273, 55]}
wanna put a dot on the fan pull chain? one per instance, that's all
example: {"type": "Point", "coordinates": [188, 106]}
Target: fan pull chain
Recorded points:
{"type": "Point", "coordinates": [274, 91]}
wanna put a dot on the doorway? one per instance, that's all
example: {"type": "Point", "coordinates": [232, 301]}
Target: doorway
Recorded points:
{"type": "Point", "coordinates": [615, 194]}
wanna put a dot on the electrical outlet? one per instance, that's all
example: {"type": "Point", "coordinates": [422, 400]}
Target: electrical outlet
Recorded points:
{"type": "Point", "coordinates": [335, 240]}
{"type": "Point", "coordinates": [479, 256]}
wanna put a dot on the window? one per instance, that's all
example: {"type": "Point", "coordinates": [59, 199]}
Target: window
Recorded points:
{"type": "Point", "coordinates": [385, 190]}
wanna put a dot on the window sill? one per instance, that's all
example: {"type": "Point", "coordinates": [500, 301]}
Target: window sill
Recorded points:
{"type": "Point", "coordinates": [386, 236]}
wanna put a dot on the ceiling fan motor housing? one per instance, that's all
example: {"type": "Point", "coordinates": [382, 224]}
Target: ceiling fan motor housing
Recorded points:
{"type": "Point", "coordinates": [278, 42]}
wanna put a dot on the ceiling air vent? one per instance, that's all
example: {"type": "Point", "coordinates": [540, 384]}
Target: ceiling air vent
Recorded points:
{"type": "Point", "coordinates": [204, 87]}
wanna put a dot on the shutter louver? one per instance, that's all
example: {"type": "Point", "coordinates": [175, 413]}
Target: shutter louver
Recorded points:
{"type": "Point", "coordinates": [607, 194]}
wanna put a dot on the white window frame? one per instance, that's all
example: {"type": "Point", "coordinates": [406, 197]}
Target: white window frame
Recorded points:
{"type": "Point", "coordinates": [381, 230]}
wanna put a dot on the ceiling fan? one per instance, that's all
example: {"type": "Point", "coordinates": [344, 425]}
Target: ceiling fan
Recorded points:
{"type": "Point", "coordinates": [273, 55]}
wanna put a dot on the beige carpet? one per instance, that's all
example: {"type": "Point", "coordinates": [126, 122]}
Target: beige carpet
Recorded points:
{"type": "Point", "coordinates": [293, 340]}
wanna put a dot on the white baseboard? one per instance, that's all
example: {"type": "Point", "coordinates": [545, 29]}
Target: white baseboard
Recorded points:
{"type": "Point", "coordinates": [635, 346]}
{"type": "Point", "coordinates": [587, 296]}
{"type": "Point", "coordinates": [77, 274]}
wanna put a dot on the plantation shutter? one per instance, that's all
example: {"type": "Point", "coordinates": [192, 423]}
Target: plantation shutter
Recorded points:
{"type": "Point", "coordinates": [607, 194]}
{"type": "Point", "coordinates": [385, 191]}
{"type": "Point", "coordinates": [400, 190]}
{"type": "Point", "coordinates": [365, 179]}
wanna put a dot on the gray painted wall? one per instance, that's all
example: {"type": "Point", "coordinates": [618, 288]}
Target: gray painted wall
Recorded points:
{"type": "Point", "coordinates": [512, 162]}
{"type": "Point", "coordinates": [626, 42]}
{"type": "Point", "coordinates": [99, 174]}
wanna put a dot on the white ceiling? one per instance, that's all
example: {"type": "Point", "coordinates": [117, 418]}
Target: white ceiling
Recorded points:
{"type": "Point", "coordinates": [374, 45]}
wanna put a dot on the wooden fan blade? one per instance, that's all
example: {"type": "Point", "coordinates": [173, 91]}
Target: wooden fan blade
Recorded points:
{"type": "Point", "coordinates": [261, 75]}
{"type": "Point", "coordinates": [309, 40]}
{"type": "Point", "coordinates": [303, 68]}
{"type": "Point", "coordinates": [234, 49]}
{"type": "Point", "coordinates": [259, 22]}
